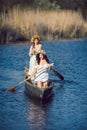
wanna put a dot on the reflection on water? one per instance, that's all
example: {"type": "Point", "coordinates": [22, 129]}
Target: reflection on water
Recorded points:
{"type": "Point", "coordinates": [37, 113]}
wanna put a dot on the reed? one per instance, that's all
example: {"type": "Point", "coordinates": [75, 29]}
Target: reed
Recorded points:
{"type": "Point", "coordinates": [51, 25]}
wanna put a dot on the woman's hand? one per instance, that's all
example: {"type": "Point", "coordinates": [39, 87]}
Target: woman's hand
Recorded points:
{"type": "Point", "coordinates": [29, 77]}
{"type": "Point", "coordinates": [50, 66]}
{"type": "Point", "coordinates": [32, 51]}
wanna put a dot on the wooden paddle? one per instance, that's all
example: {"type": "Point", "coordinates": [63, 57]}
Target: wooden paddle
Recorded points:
{"type": "Point", "coordinates": [12, 88]}
{"type": "Point", "coordinates": [58, 74]}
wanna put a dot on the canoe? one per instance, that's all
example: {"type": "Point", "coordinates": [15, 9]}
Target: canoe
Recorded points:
{"type": "Point", "coordinates": [39, 93]}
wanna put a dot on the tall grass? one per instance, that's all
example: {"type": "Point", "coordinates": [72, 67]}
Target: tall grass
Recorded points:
{"type": "Point", "coordinates": [50, 25]}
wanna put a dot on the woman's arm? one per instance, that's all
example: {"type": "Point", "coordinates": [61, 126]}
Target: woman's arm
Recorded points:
{"type": "Point", "coordinates": [40, 47]}
{"type": "Point", "coordinates": [32, 51]}
{"type": "Point", "coordinates": [50, 66]}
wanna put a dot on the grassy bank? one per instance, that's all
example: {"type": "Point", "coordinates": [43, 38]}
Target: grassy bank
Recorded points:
{"type": "Point", "coordinates": [21, 24]}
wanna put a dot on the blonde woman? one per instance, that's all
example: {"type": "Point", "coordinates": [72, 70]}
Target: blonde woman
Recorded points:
{"type": "Point", "coordinates": [34, 50]}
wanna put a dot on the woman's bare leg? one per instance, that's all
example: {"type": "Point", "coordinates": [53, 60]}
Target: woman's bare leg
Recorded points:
{"type": "Point", "coordinates": [45, 84]}
{"type": "Point", "coordinates": [39, 84]}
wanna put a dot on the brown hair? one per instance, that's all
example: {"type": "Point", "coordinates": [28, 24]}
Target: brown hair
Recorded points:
{"type": "Point", "coordinates": [44, 56]}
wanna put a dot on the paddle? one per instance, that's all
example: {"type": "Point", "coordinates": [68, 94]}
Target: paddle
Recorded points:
{"type": "Point", "coordinates": [58, 74]}
{"type": "Point", "coordinates": [12, 88]}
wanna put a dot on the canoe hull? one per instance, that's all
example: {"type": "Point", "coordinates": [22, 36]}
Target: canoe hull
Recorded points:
{"type": "Point", "coordinates": [36, 92]}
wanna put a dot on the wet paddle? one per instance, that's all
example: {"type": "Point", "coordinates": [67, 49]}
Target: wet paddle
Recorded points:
{"type": "Point", "coordinates": [12, 88]}
{"type": "Point", "coordinates": [58, 74]}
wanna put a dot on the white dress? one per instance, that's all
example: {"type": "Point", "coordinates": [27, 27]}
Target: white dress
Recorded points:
{"type": "Point", "coordinates": [32, 64]}
{"type": "Point", "coordinates": [32, 61]}
{"type": "Point", "coordinates": [42, 73]}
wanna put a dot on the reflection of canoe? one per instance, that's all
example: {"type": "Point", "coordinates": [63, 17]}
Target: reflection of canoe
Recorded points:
{"type": "Point", "coordinates": [36, 92]}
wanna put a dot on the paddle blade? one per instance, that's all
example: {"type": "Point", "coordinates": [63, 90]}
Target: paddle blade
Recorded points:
{"type": "Point", "coordinates": [11, 89]}
{"type": "Point", "coordinates": [58, 74]}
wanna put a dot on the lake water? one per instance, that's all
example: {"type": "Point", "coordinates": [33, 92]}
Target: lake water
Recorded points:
{"type": "Point", "coordinates": [66, 110]}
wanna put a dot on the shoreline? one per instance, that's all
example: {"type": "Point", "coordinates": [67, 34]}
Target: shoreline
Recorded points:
{"type": "Point", "coordinates": [59, 40]}
{"type": "Point", "coordinates": [23, 39]}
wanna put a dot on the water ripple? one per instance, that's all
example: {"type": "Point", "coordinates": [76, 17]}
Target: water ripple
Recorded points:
{"type": "Point", "coordinates": [67, 108]}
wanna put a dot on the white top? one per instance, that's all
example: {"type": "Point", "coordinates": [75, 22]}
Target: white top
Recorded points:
{"type": "Point", "coordinates": [42, 73]}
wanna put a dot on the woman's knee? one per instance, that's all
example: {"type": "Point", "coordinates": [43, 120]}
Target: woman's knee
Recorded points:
{"type": "Point", "coordinates": [39, 84]}
{"type": "Point", "coordinates": [45, 84]}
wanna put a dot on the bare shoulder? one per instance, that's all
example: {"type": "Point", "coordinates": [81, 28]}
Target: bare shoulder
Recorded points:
{"type": "Point", "coordinates": [45, 62]}
{"type": "Point", "coordinates": [40, 45]}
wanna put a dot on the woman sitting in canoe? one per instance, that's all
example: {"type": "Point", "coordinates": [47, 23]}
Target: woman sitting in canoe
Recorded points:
{"type": "Point", "coordinates": [40, 74]}
{"type": "Point", "coordinates": [34, 50]}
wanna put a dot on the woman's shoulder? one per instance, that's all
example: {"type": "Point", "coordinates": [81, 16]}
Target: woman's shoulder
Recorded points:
{"type": "Point", "coordinates": [45, 62]}
{"type": "Point", "coordinates": [40, 45]}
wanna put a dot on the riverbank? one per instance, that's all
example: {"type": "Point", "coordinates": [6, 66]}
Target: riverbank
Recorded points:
{"type": "Point", "coordinates": [20, 24]}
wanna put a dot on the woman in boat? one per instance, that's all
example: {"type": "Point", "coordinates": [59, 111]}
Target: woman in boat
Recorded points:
{"type": "Point", "coordinates": [40, 74]}
{"type": "Point", "coordinates": [34, 50]}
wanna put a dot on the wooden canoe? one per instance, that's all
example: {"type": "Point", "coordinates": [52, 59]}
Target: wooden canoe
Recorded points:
{"type": "Point", "coordinates": [39, 93]}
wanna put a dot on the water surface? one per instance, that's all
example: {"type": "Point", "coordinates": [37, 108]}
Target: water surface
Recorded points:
{"type": "Point", "coordinates": [66, 110]}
